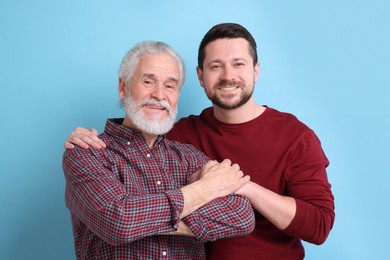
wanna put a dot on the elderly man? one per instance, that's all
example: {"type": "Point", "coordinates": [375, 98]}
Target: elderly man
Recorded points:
{"type": "Point", "coordinates": [136, 199]}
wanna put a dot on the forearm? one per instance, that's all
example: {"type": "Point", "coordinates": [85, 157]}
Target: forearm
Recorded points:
{"type": "Point", "coordinates": [223, 217]}
{"type": "Point", "coordinates": [195, 196]}
{"type": "Point", "coordinates": [309, 220]}
{"type": "Point", "coordinates": [279, 210]}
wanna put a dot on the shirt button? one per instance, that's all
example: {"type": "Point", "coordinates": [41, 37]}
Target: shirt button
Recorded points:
{"type": "Point", "coordinates": [158, 183]}
{"type": "Point", "coordinates": [148, 155]}
{"type": "Point", "coordinates": [128, 143]}
{"type": "Point", "coordinates": [164, 253]}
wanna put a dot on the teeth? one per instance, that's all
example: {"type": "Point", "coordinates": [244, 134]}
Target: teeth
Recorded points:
{"type": "Point", "coordinates": [231, 88]}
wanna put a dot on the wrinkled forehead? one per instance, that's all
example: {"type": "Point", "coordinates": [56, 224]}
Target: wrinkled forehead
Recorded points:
{"type": "Point", "coordinates": [158, 67]}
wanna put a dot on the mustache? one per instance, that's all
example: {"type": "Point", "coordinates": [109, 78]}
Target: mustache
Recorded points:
{"type": "Point", "coordinates": [154, 102]}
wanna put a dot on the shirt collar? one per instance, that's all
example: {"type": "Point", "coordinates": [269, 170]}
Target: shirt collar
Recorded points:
{"type": "Point", "coordinates": [115, 128]}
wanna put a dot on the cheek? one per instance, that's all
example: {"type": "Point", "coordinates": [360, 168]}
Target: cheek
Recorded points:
{"type": "Point", "coordinates": [250, 76]}
{"type": "Point", "coordinates": [173, 99]}
{"type": "Point", "coordinates": [141, 94]}
{"type": "Point", "coordinates": [210, 79]}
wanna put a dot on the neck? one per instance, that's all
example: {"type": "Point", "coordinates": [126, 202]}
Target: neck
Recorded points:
{"type": "Point", "coordinates": [150, 139]}
{"type": "Point", "coordinates": [250, 110]}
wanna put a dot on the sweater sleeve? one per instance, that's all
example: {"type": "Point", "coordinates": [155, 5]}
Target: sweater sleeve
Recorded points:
{"type": "Point", "coordinates": [307, 182]}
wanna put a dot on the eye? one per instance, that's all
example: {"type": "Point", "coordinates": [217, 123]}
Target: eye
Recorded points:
{"type": "Point", "coordinates": [148, 82]}
{"type": "Point", "coordinates": [170, 87]}
{"type": "Point", "coordinates": [239, 64]}
{"type": "Point", "coordinates": [215, 66]}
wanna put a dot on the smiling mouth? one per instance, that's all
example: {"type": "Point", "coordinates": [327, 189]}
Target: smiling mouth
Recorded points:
{"type": "Point", "coordinates": [156, 107]}
{"type": "Point", "coordinates": [228, 88]}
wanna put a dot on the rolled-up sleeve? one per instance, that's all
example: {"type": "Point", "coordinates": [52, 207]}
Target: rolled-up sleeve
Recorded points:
{"type": "Point", "coordinates": [228, 216]}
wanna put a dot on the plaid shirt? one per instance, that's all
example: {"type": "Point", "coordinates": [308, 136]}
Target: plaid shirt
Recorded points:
{"type": "Point", "coordinates": [124, 198]}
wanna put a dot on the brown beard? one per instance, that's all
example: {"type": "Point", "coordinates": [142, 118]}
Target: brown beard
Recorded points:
{"type": "Point", "coordinates": [244, 97]}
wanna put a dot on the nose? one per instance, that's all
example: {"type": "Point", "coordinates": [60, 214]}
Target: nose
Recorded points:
{"type": "Point", "coordinates": [158, 92]}
{"type": "Point", "coordinates": [228, 73]}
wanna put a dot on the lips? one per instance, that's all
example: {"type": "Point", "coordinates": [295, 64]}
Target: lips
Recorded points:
{"type": "Point", "coordinates": [228, 85]}
{"type": "Point", "coordinates": [229, 88]}
{"type": "Point", "coordinates": [155, 107]}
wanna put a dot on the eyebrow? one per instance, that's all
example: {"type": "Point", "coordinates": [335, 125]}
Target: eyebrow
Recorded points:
{"type": "Point", "coordinates": [233, 59]}
{"type": "Point", "coordinates": [239, 59]}
{"type": "Point", "coordinates": [176, 81]}
{"type": "Point", "coordinates": [149, 75]}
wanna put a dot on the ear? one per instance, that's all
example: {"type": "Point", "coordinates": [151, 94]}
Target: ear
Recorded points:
{"type": "Point", "coordinates": [257, 71]}
{"type": "Point", "coordinates": [199, 71]}
{"type": "Point", "coordinates": [121, 89]}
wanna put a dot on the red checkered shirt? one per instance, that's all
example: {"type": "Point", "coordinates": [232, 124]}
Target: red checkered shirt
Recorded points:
{"type": "Point", "coordinates": [124, 198]}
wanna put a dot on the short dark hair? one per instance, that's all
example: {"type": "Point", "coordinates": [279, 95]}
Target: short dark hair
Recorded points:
{"type": "Point", "coordinates": [227, 31]}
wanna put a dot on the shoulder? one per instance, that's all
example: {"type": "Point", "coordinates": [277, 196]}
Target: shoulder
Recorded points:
{"type": "Point", "coordinates": [285, 120]}
{"type": "Point", "coordinates": [78, 152]}
{"type": "Point", "coordinates": [287, 128]}
{"type": "Point", "coordinates": [291, 128]}
{"type": "Point", "coordinates": [82, 156]}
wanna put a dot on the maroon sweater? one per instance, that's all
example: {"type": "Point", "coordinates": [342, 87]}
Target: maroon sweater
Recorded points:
{"type": "Point", "coordinates": [281, 154]}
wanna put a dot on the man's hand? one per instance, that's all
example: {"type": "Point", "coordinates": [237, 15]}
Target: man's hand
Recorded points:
{"type": "Point", "coordinates": [214, 181]}
{"type": "Point", "coordinates": [221, 179]}
{"type": "Point", "coordinates": [84, 138]}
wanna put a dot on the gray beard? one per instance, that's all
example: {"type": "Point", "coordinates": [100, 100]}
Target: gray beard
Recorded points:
{"type": "Point", "coordinates": [154, 126]}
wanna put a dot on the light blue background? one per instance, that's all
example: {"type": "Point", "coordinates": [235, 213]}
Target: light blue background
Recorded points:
{"type": "Point", "coordinates": [325, 61]}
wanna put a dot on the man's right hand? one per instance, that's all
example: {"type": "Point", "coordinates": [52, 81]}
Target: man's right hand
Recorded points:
{"type": "Point", "coordinates": [84, 138]}
{"type": "Point", "coordinates": [216, 180]}
{"type": "Point", "coordinates": [221, 179]}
